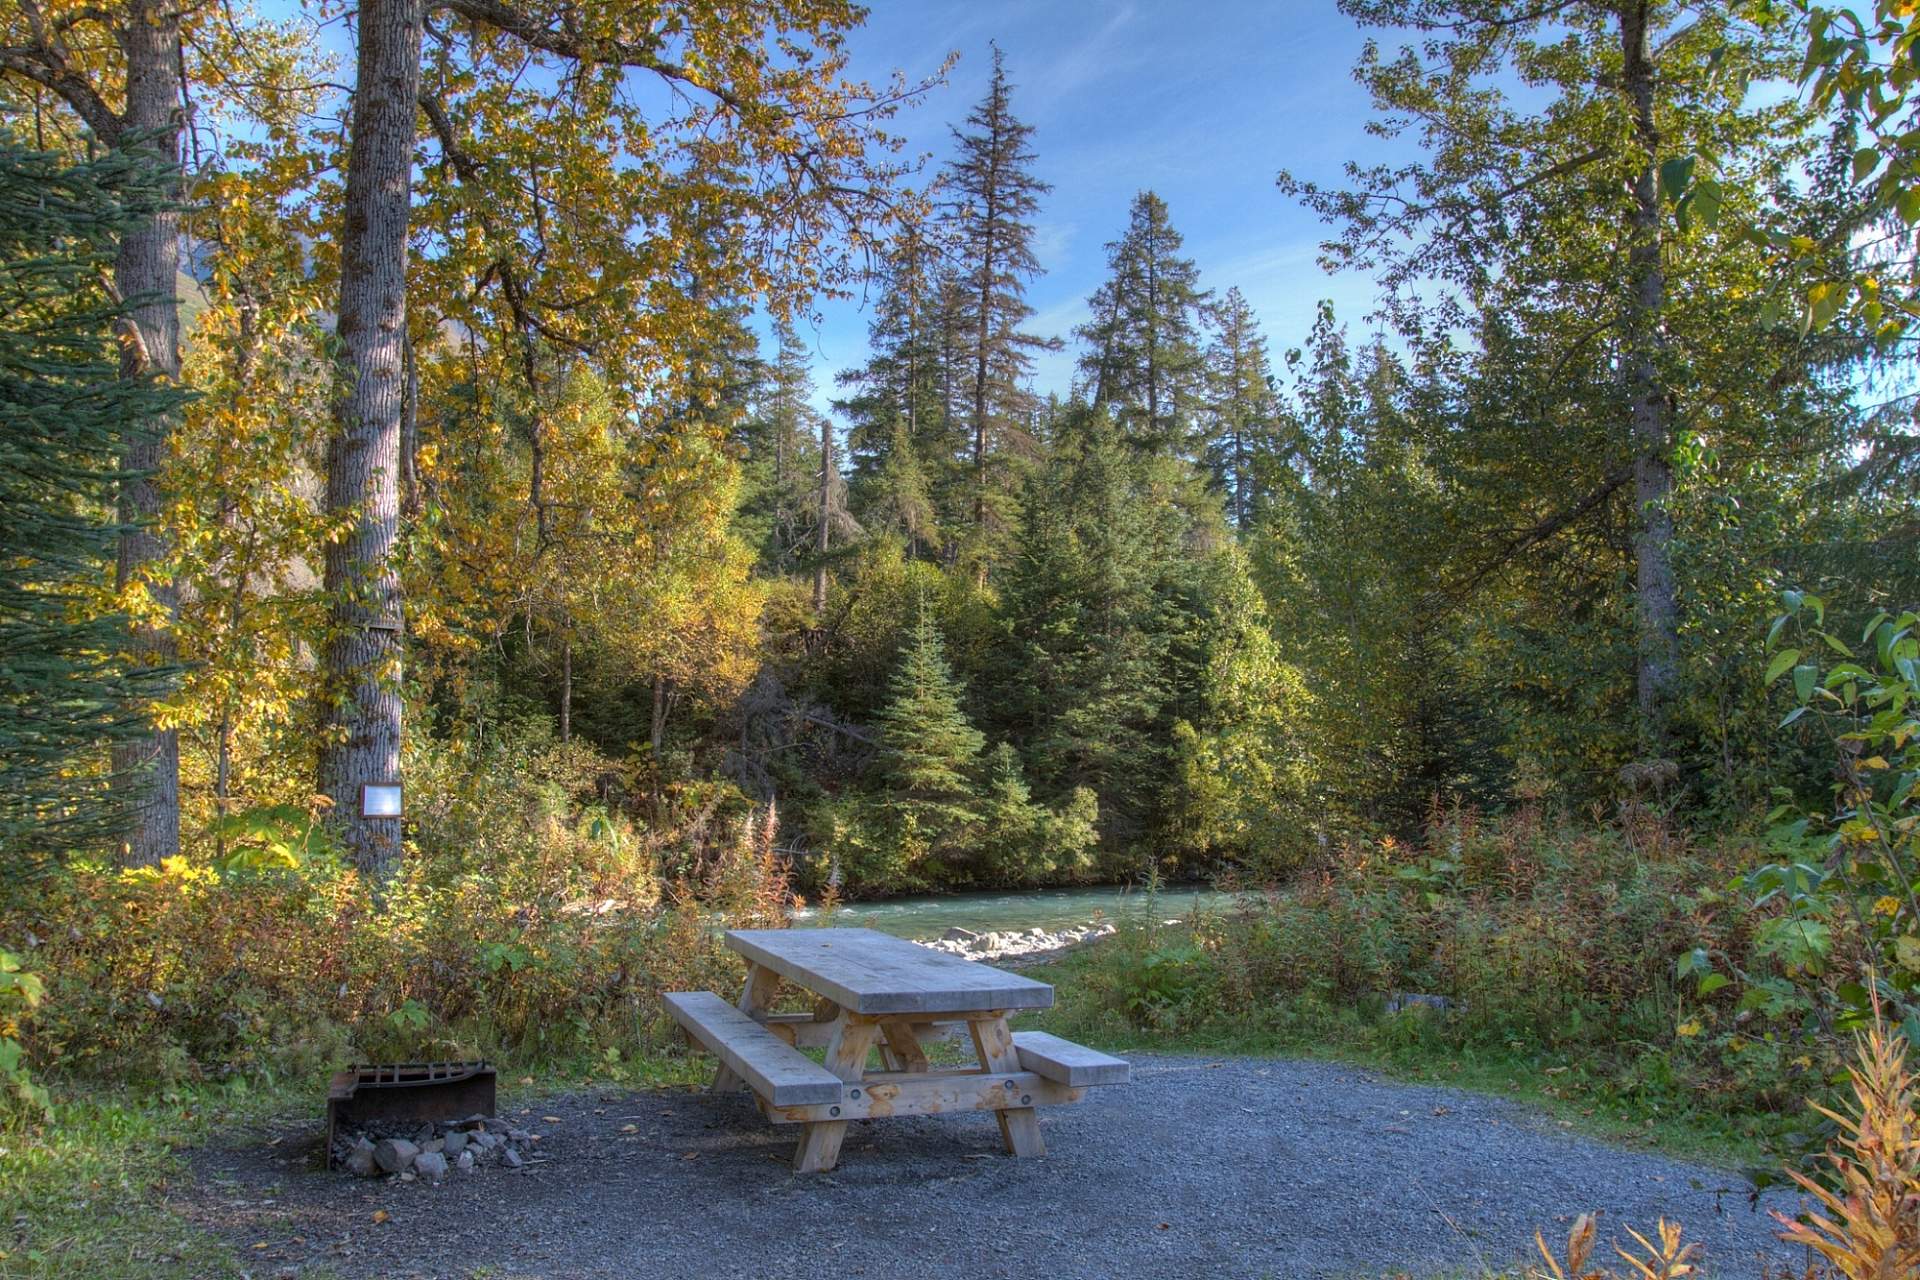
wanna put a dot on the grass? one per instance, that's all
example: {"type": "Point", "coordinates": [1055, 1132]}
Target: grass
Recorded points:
{"type": "Point", "coordinates": [1632, 1098]}
{"type": "Point", "coordinates": [90, 1193]}
{"type": "Point", "coordinates": [86, 1193]}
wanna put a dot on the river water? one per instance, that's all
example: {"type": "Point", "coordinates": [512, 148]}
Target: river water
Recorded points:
{"type": "Point", "coordinates": [931, 915]}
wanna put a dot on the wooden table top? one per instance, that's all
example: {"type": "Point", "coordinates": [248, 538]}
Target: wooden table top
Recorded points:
{"type": "Point", "coordinates": [876, 973]}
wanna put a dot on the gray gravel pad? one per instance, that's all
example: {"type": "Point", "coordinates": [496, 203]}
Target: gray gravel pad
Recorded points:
{"type": "Point", "coordinates": [1201, 1167]}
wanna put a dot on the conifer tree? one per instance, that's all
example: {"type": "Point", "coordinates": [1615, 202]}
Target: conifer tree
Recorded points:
{"type": "Point", "coordinates": [1090, 604]}
{"type": "Point", "coordinates": [899, 429]}
{"type": "Point", "coordinates": [929, 749]}
{"type": "Point", "coordinates": [1144, 357]}
{"type": "Point", "coordinates": [1242, 410]}
{"type": "Point", "coordinates": [995, 198]}
{"type": "Point", "coordinates": [68, 686]}
{"type": "Point", "coordinates": [782, 474]}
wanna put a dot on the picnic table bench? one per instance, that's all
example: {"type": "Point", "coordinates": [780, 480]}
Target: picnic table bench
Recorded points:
{"type": "Point", "coordinates": [874, 991]}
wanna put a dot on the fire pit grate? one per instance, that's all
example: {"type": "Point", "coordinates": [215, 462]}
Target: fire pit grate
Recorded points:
{"type": "Point", "coordinates": [391, 1093]}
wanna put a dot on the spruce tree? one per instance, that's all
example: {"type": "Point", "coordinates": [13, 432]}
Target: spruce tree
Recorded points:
{"type": "Point", "coordinates": [1144, 357]}
{"type": "Point", "coordinates": [1242, 410]}
{"type": "Point", "coordinates": [929, 749]}
{"type": "Point", "coordinates": [995, 198]}
{"type": "Point", "coordinates": [899, 423]}
{"type": "Point", "coordinates": [782, 472]}
{"type": "Point", "coordinates": [68, 689]}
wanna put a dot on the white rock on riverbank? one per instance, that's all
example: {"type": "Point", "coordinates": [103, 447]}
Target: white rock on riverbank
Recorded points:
{"type": "Point", "coordinates": [1017, 943]}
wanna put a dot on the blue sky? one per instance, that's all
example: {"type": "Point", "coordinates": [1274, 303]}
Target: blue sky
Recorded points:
{"type": "Point", "coordinates": [1203, 104]}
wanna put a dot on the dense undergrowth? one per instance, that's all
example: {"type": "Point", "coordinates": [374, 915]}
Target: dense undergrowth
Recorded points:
{"type": "Point", "coordinates": [534, 923]}
{"type": "Point", "coordinates": [1545, 960]}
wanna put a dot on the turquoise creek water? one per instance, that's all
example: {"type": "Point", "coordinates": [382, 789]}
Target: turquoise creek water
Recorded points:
{"type": "Point", "coordinates": [932, 915]}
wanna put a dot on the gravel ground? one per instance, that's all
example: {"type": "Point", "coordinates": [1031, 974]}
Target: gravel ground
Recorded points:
{"type": "Point", "coordinates": [1201, 1167]}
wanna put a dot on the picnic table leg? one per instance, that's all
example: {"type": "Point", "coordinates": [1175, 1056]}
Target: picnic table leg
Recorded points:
{"type": "Point", "coordinates": [1019, 1126]}
{"type": "Point", "coordinates": [903, 1048]}
{"type": "Point", "coordinates": [819, 1148]}
{"type": "Point", "coordinates": [763, 984]}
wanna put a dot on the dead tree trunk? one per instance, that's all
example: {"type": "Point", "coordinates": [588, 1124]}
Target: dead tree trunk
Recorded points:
{"type": "Point", "coordinates": [147, 768]}
{"type": "Point", "coordinates": [362, 713]}
{"type": "Point", "coordinates": [1657, 618]}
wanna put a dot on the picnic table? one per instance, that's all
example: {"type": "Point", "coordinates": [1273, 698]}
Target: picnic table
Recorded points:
{"type": "Point", "coordinates": [874, 992]}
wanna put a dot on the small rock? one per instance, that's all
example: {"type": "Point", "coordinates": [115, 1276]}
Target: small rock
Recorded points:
{"type": "Point", "coordinates": [438, 1144]}
{"type": "Point", "coordinates": [423, 1136]}
{"type": "Point", "coordinates": [430, 1164]}
{"type": "Point", "coordinates": [360, 1160]}
{"type": "Point", "coordinates": [511, 1158]}
{"type": "Point", "coordinates": [395, 1155]}
{"type": "Point", "coordinates": [464, 1162]}
{"type": "Point", "coordinates": [519, 1135]}
{"type": "Point", "coordinates": [483, 1140]}
{"type": "Point", "coordinates": [957, 934]}
{"type": "Point", "coordinates": [494, 1124]}
{"type": "Point", "coordinates": [454, 1143]}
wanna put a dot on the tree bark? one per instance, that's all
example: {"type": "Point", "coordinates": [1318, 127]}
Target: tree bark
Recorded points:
{"type": "Point", "coordinates": [566, 690]}
{"type": "Point", "coordinates": [822, 538]}
{"type": "Point", "coordinates": [1657, 618]}
{"type": "Point", "coordinates": [147, 769]}
{"type": "Point", "coordinates": [362, 718]}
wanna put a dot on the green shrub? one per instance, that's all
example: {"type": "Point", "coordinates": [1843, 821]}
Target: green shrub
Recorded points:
{"type": "Point", "coordinates": [529, 922]}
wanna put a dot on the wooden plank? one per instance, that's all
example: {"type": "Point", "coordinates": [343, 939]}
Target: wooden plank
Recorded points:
{"type": "Point", "coordinates": [904, 1046]}
{"type": "Point", "coordinates": [918, 1094]}
{"type": "Point", "coordinates": [1067, 1062]}
{"type": "Point", "coordinates": [802, 1032]}
{"type": "Point", "coordinates": [819, 1146]}
{"type": "Point", "coordinates": [799, 1030]}
{"type": "Point", "coordinates": [875, 973]}
{"type": "Point", "coordinates": [773, 1069]}
{"type": "Point", "coordinates": [762, 988]}
{"type": "Point", "coordinates": [1019, 1126]}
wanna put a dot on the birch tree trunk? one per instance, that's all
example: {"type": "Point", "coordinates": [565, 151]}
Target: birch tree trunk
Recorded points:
{"type": "Point", "coordinates": [147, 769]}
{"type": "Point", "coordinates": [362, 714]}
{"type": "Point", "coordinates": [1657, 619]}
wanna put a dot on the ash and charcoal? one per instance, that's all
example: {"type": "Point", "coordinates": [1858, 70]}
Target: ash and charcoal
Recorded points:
{"type": "Point", "coordinates": [434, 1152]}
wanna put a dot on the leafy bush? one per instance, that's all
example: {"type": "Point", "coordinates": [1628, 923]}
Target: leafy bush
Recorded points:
{"type": "Point", "coordinates": [1840, 916]}
{"type": "Point", "coordinates": [20, 995]}
{"type": "Point", "coordinates": [529, 922]}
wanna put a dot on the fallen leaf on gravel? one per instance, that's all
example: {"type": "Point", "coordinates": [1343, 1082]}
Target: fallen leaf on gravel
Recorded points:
{"type": "Point", "coordinates": [549, 1119]}
{"type": "Point", "coordinates": [261, 1245]}
{"type": "Point", "coordinates": [1443, 1111]}
{"type": "Point", "coordinates": [1166, 1226]}
{"type": "Point", "coordinates": [526, 1079]}
{"type": "Point", "coordinates": [381, 1215]}
{"type": "Point", "coordinates": [691, 1155]}
{"type": "Point", "coordinates": [629, 1128]}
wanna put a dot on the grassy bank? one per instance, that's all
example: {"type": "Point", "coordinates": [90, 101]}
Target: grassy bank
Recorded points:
{"type": "Point", "coordinates": [1635, 1098]}
{"type": "Point", "coordinates": [1546, 964]}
